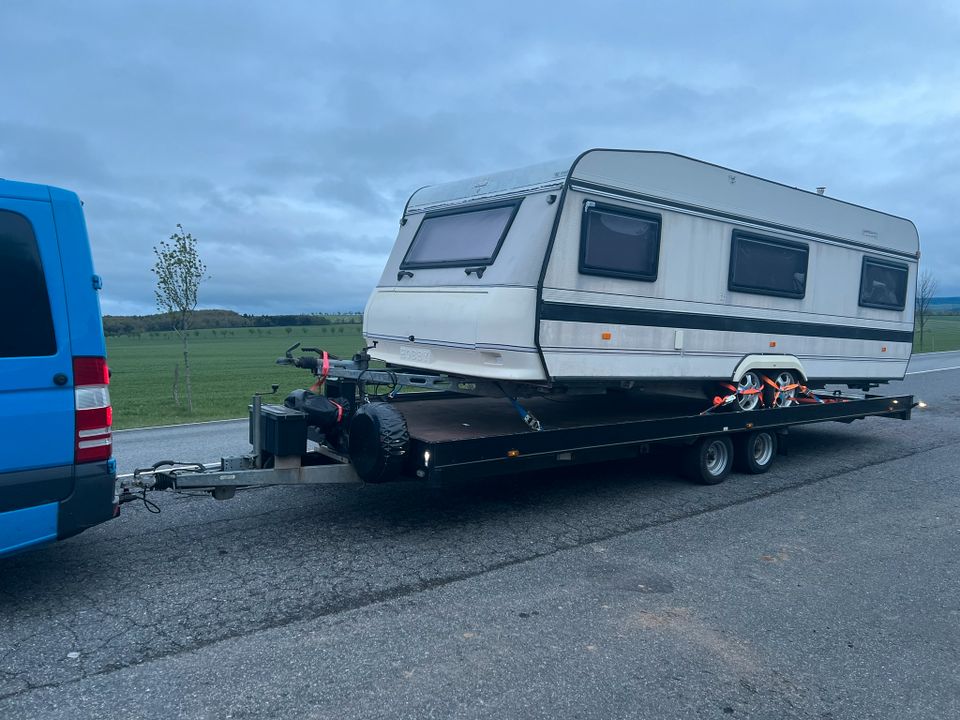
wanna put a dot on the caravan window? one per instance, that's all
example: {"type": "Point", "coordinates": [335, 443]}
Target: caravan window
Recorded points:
{"type": "Point", "coordinates": [456, 238]}
{"type": "Point", "coordinates": [768, 266]}
{"type": "Point", "coordinates": [883, 284]}
{"type": "Point", "coordinates": [617, 242]}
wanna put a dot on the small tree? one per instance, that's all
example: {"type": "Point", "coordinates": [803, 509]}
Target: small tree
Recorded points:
{"type": "Point", "coordinates": [179, 272]}
{"type": "Point", "coordinates": [926, 290]}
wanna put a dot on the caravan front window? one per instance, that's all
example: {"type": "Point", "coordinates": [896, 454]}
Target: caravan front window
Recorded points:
{"type": "Point", "coordinates": [883, 284]}
{"type": "Point", "coordinates": [457, 238]}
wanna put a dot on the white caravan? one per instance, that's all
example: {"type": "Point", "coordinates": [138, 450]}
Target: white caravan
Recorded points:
{"type": "Point", "coordinates": [645, 270]}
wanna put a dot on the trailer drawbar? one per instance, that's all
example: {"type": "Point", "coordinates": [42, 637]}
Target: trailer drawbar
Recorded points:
{"type": "Point", "coordinates": [355, 425]}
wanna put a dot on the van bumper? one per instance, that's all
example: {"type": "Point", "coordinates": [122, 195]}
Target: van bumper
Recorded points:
{"type": "Point", "coordinates": [93, 500]}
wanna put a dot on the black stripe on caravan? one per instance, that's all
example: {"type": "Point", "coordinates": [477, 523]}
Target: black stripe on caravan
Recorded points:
{"type": "Point", "coordinates": [580, 185]}
{"type": "Point", "coordinates": [566, 312]}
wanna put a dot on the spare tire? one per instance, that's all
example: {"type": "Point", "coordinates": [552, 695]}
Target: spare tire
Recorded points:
{"type": "Point", "coordinates": [379, 442]}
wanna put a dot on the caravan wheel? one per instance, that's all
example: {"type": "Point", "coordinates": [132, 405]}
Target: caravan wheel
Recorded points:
{"type": "Point", "coordinates": [749, 390]}
{"type": "Point", "coordinates": [785, 392]}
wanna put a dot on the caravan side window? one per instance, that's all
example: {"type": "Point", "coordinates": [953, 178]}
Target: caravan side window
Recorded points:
{"type": "Point", "coordinates": [883, 284]}
{"type": "Point", "coordinates": [767, 266]}
{"type": "Point", "coordinates": [461, 237]}
{"type": "Point", "coordinates": [618, 242]}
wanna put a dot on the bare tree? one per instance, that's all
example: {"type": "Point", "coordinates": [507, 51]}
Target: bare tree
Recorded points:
{"type": "Point", "coordinates": [179, 272]}
{"type": "Point", "coordinates": [926, 290]}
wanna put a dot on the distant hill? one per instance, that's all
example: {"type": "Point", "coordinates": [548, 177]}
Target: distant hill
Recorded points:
{"type": "Point", "coordinates": [945, 304]}
{"type": "Point", "coordinates": [206, 319]}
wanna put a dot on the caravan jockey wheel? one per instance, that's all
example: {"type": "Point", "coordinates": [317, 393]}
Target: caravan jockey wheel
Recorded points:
{"type": "Point", "coordinates": [748, 391]}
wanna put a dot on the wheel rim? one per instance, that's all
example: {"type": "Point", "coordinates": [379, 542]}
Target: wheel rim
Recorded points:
{"type": "Point", "coordinates": [748, 391]}
{"type": "Point", "coordinates": [718, 456]}
{"type": "Point", "coordinates": [762, 449]}
{"type": "Point", "coordinates": [785, 398]}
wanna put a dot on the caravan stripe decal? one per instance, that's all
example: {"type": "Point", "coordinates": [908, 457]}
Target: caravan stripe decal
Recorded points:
{"type": "Point", "coordinates": [568, 312]}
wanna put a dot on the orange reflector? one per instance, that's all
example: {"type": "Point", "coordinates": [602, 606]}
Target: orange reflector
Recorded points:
{"type": "Point", "coordinates": [749, 425]}
{"type": "Point", "coordinates": [773, 343]}
{"type": "Point", "coordinates": [606, 335]}
{"type": "Point", "coordinates": [883, 349]}
{"type": "Point", "coordinates": [513, 453]}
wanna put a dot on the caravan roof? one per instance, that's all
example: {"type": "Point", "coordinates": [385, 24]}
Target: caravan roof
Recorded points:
{"type": "Point", "coordinates": [680, 183]}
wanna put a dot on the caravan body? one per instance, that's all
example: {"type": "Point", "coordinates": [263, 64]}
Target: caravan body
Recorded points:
{"type": "Point", "coordinates": [622, 267]}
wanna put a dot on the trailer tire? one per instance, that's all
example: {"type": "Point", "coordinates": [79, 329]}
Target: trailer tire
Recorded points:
{"type": "Point", "coordinates": [755, 451]}
{"type": "Point", "coordinates": [708, 460]}
{"type": "Point", "coordinates": [379, 442]}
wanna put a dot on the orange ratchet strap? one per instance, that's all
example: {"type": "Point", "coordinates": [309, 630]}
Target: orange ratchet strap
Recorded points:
{"type": "Point", "coordinates": [324, 371]}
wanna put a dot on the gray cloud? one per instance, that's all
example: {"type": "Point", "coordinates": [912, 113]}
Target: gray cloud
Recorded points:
{"type": "Point", "coordinates": [287, 136]}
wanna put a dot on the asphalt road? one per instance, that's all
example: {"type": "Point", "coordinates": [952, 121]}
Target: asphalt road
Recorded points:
{"type": "Point", "coordinates": [827, 588]}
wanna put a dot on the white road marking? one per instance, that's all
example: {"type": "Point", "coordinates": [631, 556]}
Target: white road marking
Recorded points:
{"type": "Point", "coordinates": [921, 372]}
{"type": "Point", "coordinates": [179, 425]}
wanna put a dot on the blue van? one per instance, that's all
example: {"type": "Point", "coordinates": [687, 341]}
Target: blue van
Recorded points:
{"type": "Point", "coordinates": [57, 474]}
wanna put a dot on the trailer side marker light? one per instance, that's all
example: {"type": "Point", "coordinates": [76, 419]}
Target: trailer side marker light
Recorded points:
{"type": "Point", "coordinates": [513, 453]}
{"type": "Point", "coordinates": [773, 343]}
{"type": "Point", "coordinates": [883, 349]}
{"type": "Point", "coordinates": [749, 425]}
{"type": "Point", "coordinates": [606, 335]}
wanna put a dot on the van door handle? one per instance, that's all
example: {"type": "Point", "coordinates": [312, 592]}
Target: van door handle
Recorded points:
{"type": "Point", "coordinates": [60, 379]}
{"type": "Point", "coordinates": [478, 270]}
{"type": "Point", "coordinates": [402, 274]}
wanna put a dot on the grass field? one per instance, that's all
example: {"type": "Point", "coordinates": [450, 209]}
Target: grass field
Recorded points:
{"type": "Point", "coordinates": [227, 367]}
{"type": "Point", "coordinates": [941, 333]}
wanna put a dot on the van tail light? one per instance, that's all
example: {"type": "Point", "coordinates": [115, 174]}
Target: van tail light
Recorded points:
{"type": "Point", "coordinates": [94, 415]}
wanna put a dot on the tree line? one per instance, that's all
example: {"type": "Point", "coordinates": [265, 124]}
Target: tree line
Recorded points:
{"type": "Point", "coordinates": [114, 325]}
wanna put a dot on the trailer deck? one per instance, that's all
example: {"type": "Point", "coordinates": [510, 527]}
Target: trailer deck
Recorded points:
{"type": "Point", "coordinates": [470, 437]}
{"type": "Point", "coordinates": [454, 437]}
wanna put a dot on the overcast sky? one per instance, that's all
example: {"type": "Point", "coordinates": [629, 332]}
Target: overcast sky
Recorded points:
{"type": "Point", "coordinates": [287, 136]}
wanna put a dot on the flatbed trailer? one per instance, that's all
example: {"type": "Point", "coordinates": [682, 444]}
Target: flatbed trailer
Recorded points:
{"type": "Point", "coordinates": [452, 437]}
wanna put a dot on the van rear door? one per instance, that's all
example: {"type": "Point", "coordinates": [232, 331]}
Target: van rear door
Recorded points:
{"type": "Point", "coordinates": [36, 383]}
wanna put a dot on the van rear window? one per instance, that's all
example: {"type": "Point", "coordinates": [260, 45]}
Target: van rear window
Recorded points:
{"type": "Point", "coordinates": [26, 325]}
{"type": "Point", "coordinates": [460, 238]}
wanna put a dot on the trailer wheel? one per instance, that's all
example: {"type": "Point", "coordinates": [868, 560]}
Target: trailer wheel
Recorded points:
{"type": "Point", "coordinates": [708, 460]}
{"type": "Point", "coordinates": [755, 451]}
{"type": "Point", "coordinates": [379, 441]}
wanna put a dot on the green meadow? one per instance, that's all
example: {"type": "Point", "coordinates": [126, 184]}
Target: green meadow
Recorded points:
{"type": "Point", "coordinates": [226, 367]}
{"type": "Point", "coordinates": [942, 332]}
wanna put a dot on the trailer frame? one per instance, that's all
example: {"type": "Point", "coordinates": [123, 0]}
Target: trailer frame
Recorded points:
{"type": "Point", "coordinates": [440, 452]}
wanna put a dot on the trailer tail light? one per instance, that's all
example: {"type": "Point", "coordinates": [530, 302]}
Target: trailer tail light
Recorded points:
{"type": "Point", "coordinates": [94, 415]}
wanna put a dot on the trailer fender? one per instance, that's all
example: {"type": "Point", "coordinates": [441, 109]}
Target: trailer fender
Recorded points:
{"type": "Point", "coordinates": [763, 361]}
